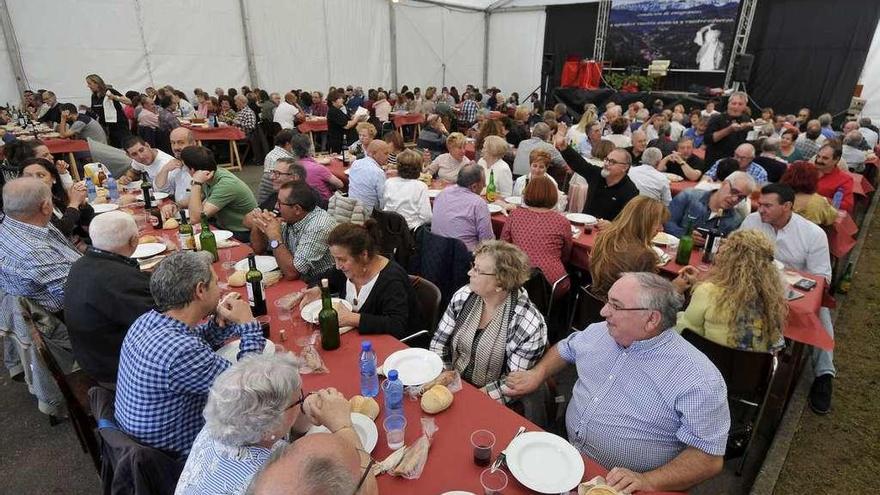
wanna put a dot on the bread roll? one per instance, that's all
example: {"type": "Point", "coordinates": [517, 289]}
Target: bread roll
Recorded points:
{"type": "Point", "coordinates": [237, 279]}
{"type": "Point", "coordinates": [601, 490]}
{"type": "Point", "coordinates": [364, 405]}
{"type": "Point", "coordinates": [438, 398]}
{"type": "Point", "coordinates": [147, 239]}
{"type": "Point", "coordinates": [171, 223]}
{"type": "Point", "coordinates": [444, 379]}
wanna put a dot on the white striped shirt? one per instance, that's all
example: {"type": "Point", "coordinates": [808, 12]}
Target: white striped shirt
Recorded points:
{"type": "Point", "coordinates": [639, 407]}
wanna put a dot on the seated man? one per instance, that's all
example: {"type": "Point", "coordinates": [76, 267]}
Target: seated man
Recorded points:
{"type": "Point", "coordinates": [610, 188]}
{"type": "Point", "coordinates": [35, 257]}
{"type": "Point", "coordinates": [298, 238]}
{"type": "Point", "coordinates": [77, 125]}
{"type": "Point", "coordinates": [460, 212]}
{"type": "Point", "coordinates": [286, 170]}
{"type": "Point", "coordinates": [803, 246]}
{"type": "Point", "coordinates": [433, 135]}
{"type": "Point", "coordinates": [683, 162]}
{"type": "Point", "coordinates": [144, 160]}
{"type": "Point", "coordinates": [809, 141]}
{"type": "Point", "coordinates": [770, 161]}
{"type": "Point", "coordinates": [540, 139]}
{"type": "Point", "coordinates": [366, 178]}
{"type": "Point", "coordinates": [654, 433]}
{"type": "Point", "coordinates": [106, 292]}
{"type": "Point", "coordinates": [283, 149]}
{"type": "Point", "coordinates": [447, 165]}
{"type": "Point", "coordinates": [168, 363]}
{"type": "Point", "coordinates": [650, 181]}
{"type": "Point", "coordinates": [217, 192]}
{"type": "Point", "coordinates": [832, 180]}
{"type": "Point", "coordinates": [710, 209]}
{"type": "Point", "coordinates": [663, 142]}
{"type": "Point", "coordinates": [744, 156]}
{"type": "Point", "coordinates": [173, 177]}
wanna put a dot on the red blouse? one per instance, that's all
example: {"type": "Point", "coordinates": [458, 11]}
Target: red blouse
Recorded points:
{"type": "Point", "coordinates": [545, 236]}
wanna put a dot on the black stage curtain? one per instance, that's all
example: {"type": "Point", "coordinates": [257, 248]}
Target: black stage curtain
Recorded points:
{"type": "Point", "coordinates": [570, 30]}
{"type": "Point", "coordinates": [809, 52]}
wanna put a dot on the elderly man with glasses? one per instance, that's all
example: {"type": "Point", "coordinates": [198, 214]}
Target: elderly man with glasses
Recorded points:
{"type": "Point", "coordinates": [654, 433]}
{"type": "Point", "coordinates": [744, 156]}
{"type": "Point", "coordinates": [710, 209]}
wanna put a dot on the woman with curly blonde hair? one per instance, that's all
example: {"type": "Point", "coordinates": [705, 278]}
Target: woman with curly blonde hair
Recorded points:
{"type": "Point", "coordinates": [741, 304]}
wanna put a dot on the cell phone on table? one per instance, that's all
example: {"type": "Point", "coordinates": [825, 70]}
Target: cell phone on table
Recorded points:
{"type": "Point", "coordinates": [791, 295]}
{"type": "Point", "coordinates": [804, 284]}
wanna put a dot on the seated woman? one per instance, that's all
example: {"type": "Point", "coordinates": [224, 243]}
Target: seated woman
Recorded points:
{"type": "Point", "coordinates": [625, 246]}
{"type": "Point", "coordinates": [802, 177]}
{"type": "Point", "coordinates": [539, 161]}
{"type": "Point", "coordinates": [71, 211]}
{"type": "Point", "coordinates": [393, 138]}
{"type": "Point", "coordinates": [542, 233]}
{"type": "Point", "coordinates": [447, 165]}
{"type": "Point", "coordinates": [494, 149]}
{"type": "Point", "coordinates": [406, 194]}
{"type": "Point", "coordinates": [433, 135]}
{"type": "Point", "coordinates": [366, 133]}
{"type": "Point", "coordinates": [381, 296]}
{"type": "Point", "coordinates": [519, 131]}
{"type": "Point", "coordinates": [227, 111]}
{"type": "Point", "coordinates": [491, 327]}
{"type": "Point", "coordinates": [742, 303]}
{"type": "Point", "coordinates": [787, 149]}
{"type": "Point", "coordinates": [491, 127]}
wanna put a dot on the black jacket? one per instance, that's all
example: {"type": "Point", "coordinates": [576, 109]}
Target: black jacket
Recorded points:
{"type": "Point", "coordinates": [103, 296]}
{"type": "Point", "coordinates": [603, 201]}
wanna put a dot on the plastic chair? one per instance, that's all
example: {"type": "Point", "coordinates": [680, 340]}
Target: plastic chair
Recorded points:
{"type": "Point", "coordinates": [428, 298]}
{"type": "Point", "coordinates": [748, 375]}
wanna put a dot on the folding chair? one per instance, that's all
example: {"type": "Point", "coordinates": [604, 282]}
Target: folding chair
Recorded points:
{"type": "Point", "coordinates": [428, 298]}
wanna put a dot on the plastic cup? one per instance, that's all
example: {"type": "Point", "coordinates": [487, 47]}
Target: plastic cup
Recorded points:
{"type": "Point", "coordinates": [493, 483]}
{"type": "Point", "coordinates": [482, 441]}
{"type": "Point", "coordinates": [395, 431]}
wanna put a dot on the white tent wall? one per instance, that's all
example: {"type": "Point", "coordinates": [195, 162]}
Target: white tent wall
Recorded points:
{"type": "Point", "coordinates": [8, 86]}
{"type": "Point", "coordinates": [429, 37]}
{"type": "Point", "coordinates": [870, 80]}
{"type": "Point", "coordinates": [516, 46]}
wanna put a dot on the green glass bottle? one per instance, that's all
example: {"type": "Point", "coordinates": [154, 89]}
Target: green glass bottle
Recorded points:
{"type": "Point", "coordinates": [185, 233]}
{"type": "Point", "coordinates": [846, 280]}
{"type": "Point", "coordinates": [328, 319]}
{"type": "Point", "coordinates": [255, 289]}
{"type": "Point", "coordinates": [685, 244]}
{"type": "Point", "coordinates": [491, 192]}
{"type": "Point", "coordinates": [207, 239]}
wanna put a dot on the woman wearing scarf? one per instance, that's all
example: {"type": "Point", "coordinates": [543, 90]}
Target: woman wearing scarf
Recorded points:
{"type": "Point", "coordinates": [107, 108]}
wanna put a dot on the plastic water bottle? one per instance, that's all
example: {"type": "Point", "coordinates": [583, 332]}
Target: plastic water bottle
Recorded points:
{"type": "Point", "coordinates": [91, 189]}
{"type": "Point", "coordinates": [369, 378]}
{"type": "Point", "coordinates": [112, 189]}
{"type": "Point", "coordinates": [838, 198]}
{"type": "Point", "coordinates": [393, 389]}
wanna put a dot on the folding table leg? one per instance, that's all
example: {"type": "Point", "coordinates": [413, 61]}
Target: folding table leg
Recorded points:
{"type": "Point", "coordinates": [74, 170]}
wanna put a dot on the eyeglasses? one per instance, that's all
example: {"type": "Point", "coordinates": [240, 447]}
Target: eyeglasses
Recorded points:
{"type": "Point", "coordinates": [301, 402]}
{"type": "Point", "coordinates": [477, 270]}
{"type": "Point", "coordinates": [610, 161]}
{"type": "Point", "coordinates": [276, 173]}
{"type": "Point", "coordinates": [742, 157]}
{"type": "Point", "coordinates": [739, 194]}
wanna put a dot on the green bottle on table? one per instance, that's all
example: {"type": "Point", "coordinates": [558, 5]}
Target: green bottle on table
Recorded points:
{"type": "Point", "coordinates": [207, 239]}
{"type": "Point", "coordinates": [491, 191]}
{"type": "Point", "coordinates": [328, 319]}
{"type": "Point", "coordinates": [185, 233]}
{"type": "Point", "coordinates": [685, 244]}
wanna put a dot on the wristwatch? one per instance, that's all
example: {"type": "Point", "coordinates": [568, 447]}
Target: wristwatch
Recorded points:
{"type": "Point", "coordinates": [274, 244]}
{"type": "Point", "coordinates": [196, 183]}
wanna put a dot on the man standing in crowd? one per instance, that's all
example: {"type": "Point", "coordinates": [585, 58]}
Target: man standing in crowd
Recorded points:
{"type": "Point", "coordinates": [728, 130]}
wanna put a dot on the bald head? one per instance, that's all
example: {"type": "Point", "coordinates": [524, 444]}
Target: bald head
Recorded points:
{"type": "Point", "coordinates": [378, 150]}
{"type": "Point", "coordinates": [28, 200]}
{"type": "Point", "coordinates": [319, 464]}
{"type": "Point", "coordinates": [181, 137]}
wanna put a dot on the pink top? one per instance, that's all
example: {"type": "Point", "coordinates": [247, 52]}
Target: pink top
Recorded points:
{"type": "Point", "coordinates": [147, 118]}
{"type": "Point", "coordinates": [318, 177]}
{"type": "Point", "coordinates": [545, 236]}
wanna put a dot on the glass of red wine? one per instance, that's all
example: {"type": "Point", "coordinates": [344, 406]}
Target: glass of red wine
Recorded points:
{"type": "Point", "coordinates": [482, 441]}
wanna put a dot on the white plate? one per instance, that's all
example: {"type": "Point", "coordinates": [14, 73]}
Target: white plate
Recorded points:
{"type": "Point", "coordinates": [661, 255]}
{"type": "Point", "coordinates": [104, 207]}
{"type": "Point", "coordinates": [311, 310]}
{"type": "Point", "coordinates": [133, 185]}
{"type": "Point", "coordinates": [544, 462]}
{"type": "Point", "coordinates": [664, 239]}
{"type": "Point", "coordinates": [514, 200]}
{"type": "Point", "coordinates": [222, 235]}
{"type": "Point", "coordinates": [433, 193]}
{"type": "Point", "coordinates": [264, 263]}
{"type": "Point", "coordinates": [229, 351]}
{"type": "Point", "coordinates": [414, 366]}
{"type": "Point", "coordinates": [363, 425]}
{"type": "Point", "coordinates": [581, 218]}
{"type": "Point", "coordinates": [159, 195]}
{"type": "Point", "coordinates": [149, 249]}
{"type": "Point", "coordinates": [493, 208]}
{"type": "Point", "coordinates": [674, 177]}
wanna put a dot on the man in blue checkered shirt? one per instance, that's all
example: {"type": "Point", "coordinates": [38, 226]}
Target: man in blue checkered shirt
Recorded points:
{"type": "Point", "coordinates": [647, 404]}
{"type": "Point", "coordinates": [167, 362]}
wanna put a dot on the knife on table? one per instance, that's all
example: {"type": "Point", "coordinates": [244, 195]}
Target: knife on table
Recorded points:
{"type": "Point", "coordinates": [502, 456]}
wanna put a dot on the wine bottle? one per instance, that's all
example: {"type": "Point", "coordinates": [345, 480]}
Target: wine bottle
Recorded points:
{"type": "Point", "coordinates": [255, 289]}
{"type": "Point", "coordinates": [491, 192]}
{"type": "Point", "coordinates": [147, 189]}
{"type": "Point", "coordinates": [207, 239]}
{"type": "Point", "coordinates": [185, 233]}
{"type": "Point", "coordinates": [328, 319]}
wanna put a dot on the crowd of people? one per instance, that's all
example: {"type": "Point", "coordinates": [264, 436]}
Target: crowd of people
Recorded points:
{"type": "Point", "coordinates": [772, 182]}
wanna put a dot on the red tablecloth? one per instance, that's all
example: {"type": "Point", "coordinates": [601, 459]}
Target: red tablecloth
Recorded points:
{"type": "Point", "coordinates": [338, 169]}
{"type": "Point", "coordinates": [677, 187]}
{"type": "Point", "coordinates": [402, 119]}
{"type": "Point", "coordinates": [227, 133]}
{"type": "Point", "coordinates": [861, 185]}
{"type": "Point", "coordinates": [66, 145]}
{"type": "Point", "coordinates": [313, 125]}
{"type": "Point", "coordinates": [842, 234]}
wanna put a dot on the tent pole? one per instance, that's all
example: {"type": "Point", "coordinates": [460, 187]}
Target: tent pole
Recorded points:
{"type": "Point", "coordinates": [12, 48]}
{"type": "Point", "coordinates": [248, 44]}
{"type": "Point", "coordinates": [392, 18]}
{"type": "Point", "coordinates": [140, 21]}
{"type": "Point", "coordinates": [486, 16]}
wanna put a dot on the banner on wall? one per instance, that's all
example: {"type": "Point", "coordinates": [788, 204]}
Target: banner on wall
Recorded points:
{"type": "Point", "coordinates": [692, 34]}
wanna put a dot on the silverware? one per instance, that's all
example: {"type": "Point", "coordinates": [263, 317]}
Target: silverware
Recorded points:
{"type": "Point", "coordinates": [503, 455]}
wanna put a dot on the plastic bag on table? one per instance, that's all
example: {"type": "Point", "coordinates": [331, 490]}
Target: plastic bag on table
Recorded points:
{"type": "Point", "coordinates": [597, 486]}
{"type": "Point", "coordinates": [309, 359]}
{"type": "Point", "coordinates": [409, 461]}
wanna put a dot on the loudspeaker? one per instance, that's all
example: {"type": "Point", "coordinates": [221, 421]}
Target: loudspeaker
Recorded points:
{"type": "Point", "coordinates": [547, 64]}
{"type": "Point", "coordinates": [742, 67]}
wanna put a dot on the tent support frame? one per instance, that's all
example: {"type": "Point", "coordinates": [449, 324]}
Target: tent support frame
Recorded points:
{"type": "Point", "coordinates": [248, 44]}
{"type": "Point", "coordinates": [12, 48]}
{"type": "Point", "coordinates": [740, 39]}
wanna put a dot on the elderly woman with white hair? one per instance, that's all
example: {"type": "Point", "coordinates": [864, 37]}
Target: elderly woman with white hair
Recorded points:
{"type": "Point", "coordinates": [252, 408]}
{"type": "Point", "coordinates": [492, 162]}
{"type": "Point", "coordinates": [245, 119]}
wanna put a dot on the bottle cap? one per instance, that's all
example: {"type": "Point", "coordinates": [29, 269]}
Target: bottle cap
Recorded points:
{"type": "Point", "coordinates": [392, 375]}
{"type": "Point", "coordinates": [366, 345]}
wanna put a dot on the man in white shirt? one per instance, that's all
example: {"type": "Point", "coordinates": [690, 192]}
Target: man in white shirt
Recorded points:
{"type": "Point", "coordinates": [366, 178]}
{"type": "Point", "coordinates": [174, 178]}
{"type": "Point", "coordinates": [144, 159]}
{"type": "Point", "coordinates": [285, 114]}
{"type": "Point", "coordinates": [676, 127]}
{"type": "Point", "coordinates": [803, 246]}
{"type": "Point", "coordinates": [870, 136]}
{"type": "Point", "coordinates": [650, 181]}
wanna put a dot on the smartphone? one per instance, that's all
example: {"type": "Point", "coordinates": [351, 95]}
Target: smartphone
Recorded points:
{"type": "Point", "coordinates": [805, 284]}
{"type": "Point", "coordinates": [791, 295]}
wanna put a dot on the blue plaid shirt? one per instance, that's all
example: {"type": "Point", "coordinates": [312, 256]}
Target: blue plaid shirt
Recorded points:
{"type": "Point", "coordinates": [165, 371]}
{"type": "Point", "coordinates": [469, 111]}
{"type": "Point", "coordinates": [34, 262]}
{"type": "Point", "coordinates": [639, 407]}
{"type": "Point", "coordinates": [756, 171]}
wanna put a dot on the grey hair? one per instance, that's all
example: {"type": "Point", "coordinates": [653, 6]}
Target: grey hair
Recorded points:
{"type": "Point", "coordinates": [748, 147]}
{"type": "Point", "coordinates": [852, 138]}
{"type": "Point", "coordinates": [542, 131]}
{"type": "Point", "coordinates": [770, 145]}
{"type": "Point", "coordinates": [469, 175]}
{"type": "Point", "coordinates": [24, 196]}
{"type": "Point", "coordinates": [658, 294]}
{"type": "Point", "coordinates": [739, 94]}
{"type": "Point", "coordinates": [112, 230]}
{"type": "Point", "coordinates": [865, 121]}
{"type": "Point", "coordinates": [825, 119]}
{"type": "Point", "coordinates": [652, 156]}
{"type": "Point", "coordinates": [294, 167]}
{"type": "Point", "coordinates": [643, 114]}
{"type": "Point", "coordinates": [301, 145]}
{"type": "Point", "coordinates": [738, 177]}
{"type": "Point", "coordinates": [174, 282]}
{"type": "Point", "coordinates": [248, 400]}
{"type": "Point", "coordinates": [323, 475]}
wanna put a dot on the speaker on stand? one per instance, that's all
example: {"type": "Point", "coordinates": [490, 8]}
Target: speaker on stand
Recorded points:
{"type": "Point", "coordinates": [742, 67]}
{"type": "Point", "coordinates": [547, 69]}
